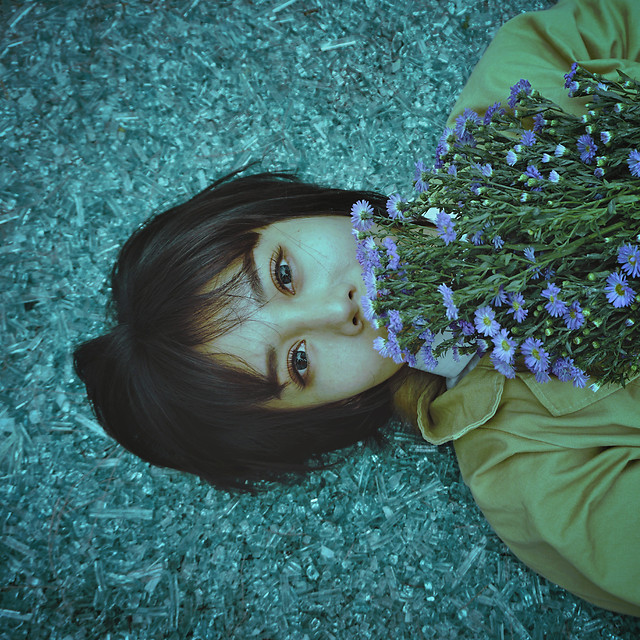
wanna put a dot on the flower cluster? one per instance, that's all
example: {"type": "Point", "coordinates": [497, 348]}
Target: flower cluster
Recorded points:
{"type": "Point", "coordinates": [523, 240]}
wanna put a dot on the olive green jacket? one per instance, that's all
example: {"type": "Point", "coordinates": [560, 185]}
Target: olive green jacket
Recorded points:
{"type": "Point", "coordinates": [555, 469]}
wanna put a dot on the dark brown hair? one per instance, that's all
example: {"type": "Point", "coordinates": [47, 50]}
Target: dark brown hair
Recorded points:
{"type": "Point", "coordinates": [149, 382]}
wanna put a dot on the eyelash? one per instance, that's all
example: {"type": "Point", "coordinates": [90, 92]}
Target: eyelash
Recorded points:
{"type": "Point", "coordinates": [276, 260]}
{"type": "Point", "coordinates": [296, 376]}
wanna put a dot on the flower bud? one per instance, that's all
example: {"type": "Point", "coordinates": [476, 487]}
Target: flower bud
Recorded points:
{"type": "Point", "coordinates": [586, 313]}
{"type": "Point", "coordinates": [548, 332]}
{"type": "Point", "coordinates": [595, 344]}
{"type": "Point", "coordinates": [577, 340]}
{"type": "Point", "coordinates": [591, 277]}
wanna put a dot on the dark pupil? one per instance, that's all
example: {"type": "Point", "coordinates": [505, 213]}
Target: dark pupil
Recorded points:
{"type": "Point", "coordinates": [284, 274]}
{"type": "Point", "coordinates": [300, 360]}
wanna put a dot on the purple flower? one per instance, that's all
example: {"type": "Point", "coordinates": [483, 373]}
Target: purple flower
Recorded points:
{"type": "Point", "coordinates": [443, 147]}
{"type": "Point", "coordinates": [542, 376]}
{"type": "Point", "coordinates": [532, 172]}
{"type": "Point", "coordinates": [535, 357]}
{"type": "Point", "coordinates": [467, 328]}
{"type": "Point", "coordinates": [367, 253]}
{"type": "Point", "coordinates": [486, 170]}
{"type": "Point", "coordinates": [395, 322]}
{"type": "Point", "coordinates": [361, 215]}
{"type": "Point", "coordinates": [565, 370]}
{"type": "Point", "coordinates": [394, 207]}
{"type": "Point", "coordinates": [490, 112]}
{"type": "Point", "coordinates": [476, 238]}
{"type": "Point", "coordinates": [605, 137]}
{"type": "Point", "coordinates": [559, 150]}
{"type": "Point", "coordinates": [392, 253]}
{"type": "Point", "coordinates": [418, 179]}
{"type": "Point", "coordinates": [485, 321]}
{"type": "Point", "coordinates": [498, 242]}
{"type": "Point", "coordinates": [619, 293]}
{"type": "Point", "coordinates": [464, 123]}
{"type": "Point", "coordinates": [445, 226]}
{"type": "Point", "coordinates": [561, 368]}
{"type": "Point", "coordinates": [599, 172]}
{"type": "Point", "coordinates": [512, 158]}
{"type": "Point", "coordinates": [452, 170]}
{"type": "Point", "coordinates": [629, 258]}
{"type": "Point", "coordinates": [394, 348]}
{"type": "Point", "coordinates": [519, 90]}
{"type": "Point", "coordinates": [579, 377]}
{"type": "Point", "coordinates": [427, 356]}
{"type": "Point", "coordinates": [409, 358]}
{"type": "Point", "coordinates": [528, 138]}
{"type": "Point", "coordinates": [634, 162]}
{"type": "Point", "coordinates": [587, 148]}
{"type": "Point", "coordinates": [555, 307]}
{"type": "Point", "coordinates": [517, 307]}
{"type": "Point", "coordinates": [530, 254]}
{"type": "Point", "coordinates": [381, 346]}
{"type": "Point", "coordinates": [447, 299]}
{"type": "Point", "coordinates": [505, 346]}
{"type": "Point", "coordinates": [554, 176]}
{"type": "Point", "coordinates": [573, 316]}
{"type": "Point", "coordinates": [502, 367]}
{"type": "Point", "coordinates": [568, 78]}
{"type": "Point", "coordinates": [369, 312]}
{"type": "Point", "coordinates": [499, 299]}
{"type": "Point", "coordinates": [538, 122]}
{"type": "Point", "coordinates": [428, 336]}
{"type": "Point", "coordinates": [545, 157]}
{"type": "Point", "coordinates": [370, 282]}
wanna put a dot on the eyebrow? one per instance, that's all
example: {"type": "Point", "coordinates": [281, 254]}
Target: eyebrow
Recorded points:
{"type": "Point", "coordinates": [259, 295]}
{"type": "Point", "coordinates": [253, 278]}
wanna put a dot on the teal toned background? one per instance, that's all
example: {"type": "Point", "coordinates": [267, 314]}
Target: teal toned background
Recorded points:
{"type": "Point", "coordinates": [111, 111]}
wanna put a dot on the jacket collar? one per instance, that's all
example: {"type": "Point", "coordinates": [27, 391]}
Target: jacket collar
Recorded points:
{"type": "Point", "coordinates": [476, 398]}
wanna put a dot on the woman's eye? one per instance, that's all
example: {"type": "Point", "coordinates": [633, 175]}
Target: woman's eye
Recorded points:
{"type": "Point", "coordinates": [298, 363]}
{"type": "Point", "coordinates": [281, 272]}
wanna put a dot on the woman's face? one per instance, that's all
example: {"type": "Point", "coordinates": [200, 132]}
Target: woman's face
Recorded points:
{"type": "Point", "coordinates": [301, 322]}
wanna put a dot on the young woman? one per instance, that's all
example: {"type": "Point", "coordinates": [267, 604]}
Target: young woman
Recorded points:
{"type": "Point", "coordinates": [240, 349]}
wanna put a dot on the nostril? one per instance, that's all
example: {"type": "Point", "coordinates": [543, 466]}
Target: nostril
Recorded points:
{"type": "Point", "coordinates": [355, 320]}
{"type": "Point", "coordinates": [351, 295]}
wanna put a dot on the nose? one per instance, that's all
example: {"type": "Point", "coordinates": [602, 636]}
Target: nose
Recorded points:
{"type": "Point", "coordinates": [335, 310]}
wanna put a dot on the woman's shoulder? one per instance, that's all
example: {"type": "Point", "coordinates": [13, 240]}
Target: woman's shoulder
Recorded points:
{"type": "Point", "coordinates": [541, 46]}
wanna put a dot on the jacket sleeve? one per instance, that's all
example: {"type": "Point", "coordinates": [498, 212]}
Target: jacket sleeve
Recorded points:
{"type": "Point", "coordinates": [560, 487]}
{"type": "Point", "coordinates": [541, 46]}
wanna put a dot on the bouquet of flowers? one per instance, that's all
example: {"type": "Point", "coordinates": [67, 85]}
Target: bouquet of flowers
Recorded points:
{"type": "Point", "coordinates": [535, 252]}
